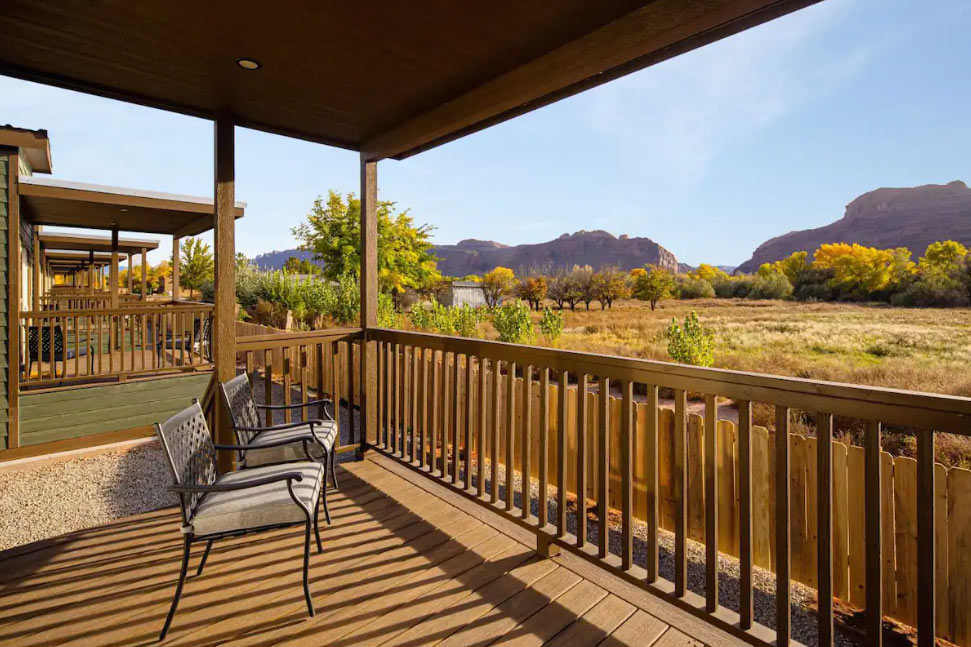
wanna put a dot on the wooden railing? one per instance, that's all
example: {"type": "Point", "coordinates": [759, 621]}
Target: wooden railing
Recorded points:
{"type": "Point", "coordinates": [306, 366]}
{"type": "Point", "coordinates": [471, 413]}
{"type": "Point", "coordinates": [70, 346]}
{"type": "Point", "coordinates": [82, 301]}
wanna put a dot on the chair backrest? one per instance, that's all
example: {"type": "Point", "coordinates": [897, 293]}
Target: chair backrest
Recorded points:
{"type": "Point", "coordinates": [239, 400]}
{"type": "Point", "coordinates": [187, 443]}
{"type": "Point", "coordinates": [45, 342]}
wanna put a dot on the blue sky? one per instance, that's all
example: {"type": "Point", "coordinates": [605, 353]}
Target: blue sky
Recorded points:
{"type": "Point", "coordinates": [709, 154]}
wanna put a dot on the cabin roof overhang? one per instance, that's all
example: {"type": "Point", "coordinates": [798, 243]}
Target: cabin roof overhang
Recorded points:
{"type": "Point", "coordinates": [61, 203]}
{"type": "Point", "coordinates": [388, 83]}
{"type": "Point", "coordinates": [34, 143]}
{"type": "Point", "coordinates": [89, 243]}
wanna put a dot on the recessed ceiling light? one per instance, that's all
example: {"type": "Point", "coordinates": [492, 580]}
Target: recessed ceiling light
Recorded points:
{"type": "Point", "coordinates": [123, 209]}
{"type": "Point", "coordinates": [248, 63]}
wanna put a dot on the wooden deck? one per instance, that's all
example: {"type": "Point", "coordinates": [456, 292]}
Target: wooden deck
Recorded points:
{"type": "Point", "coordinates": [403, 564]}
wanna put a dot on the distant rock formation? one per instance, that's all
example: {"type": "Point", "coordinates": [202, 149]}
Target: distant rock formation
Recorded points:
{"type": "Point", "coordinates": [274, 260]}
{"type": "Point", "coordinates": [595, 248]}
{"type": "Point", "coordinates": [908, 217]}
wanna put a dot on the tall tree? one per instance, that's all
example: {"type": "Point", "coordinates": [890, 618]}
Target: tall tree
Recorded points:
{"type": "Point", "coordinates": [333, 233]}
{"type": "Point", "coordinates": [197, 267]}
{"type": "Point", "coordinates": [653, 285]}
{"type": "Point", "coordinates": [497, 284]}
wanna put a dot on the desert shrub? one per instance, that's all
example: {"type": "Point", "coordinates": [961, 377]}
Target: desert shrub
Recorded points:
{"type": "Point", "coordinates": [691, 343]}
{"type": "Point", "coordinates": [771, 286]}
{"type": "Point", "coordinates": [421, 317]}
{"type": "Point", "coordinates": [319, 298]}
{"type": "Point", "coordinates": [931, 290]}
{"type": "Point", "coordinates": [815, 284]}
{"type": "Point", "coordinates": [207, 291]}
{"type": "Point", "coordinates": [551, 325]}
{"type": "Point", "coordinates": [443, 319]}
{"type": "Point", "coordinates": [513, 323]}
{"type": "Point", "coordinates": [347, 300]}
{"type": "Point", "coordinates": [724, 287]}
{"type": "Point", "coordinates": [694, 288]}
{"type": "Point", "coordinates": [467, 320]}
{"type": "Point", "coordinates": [742, 287]}
{"type": "Point", "coordinates": [270, 314]}
{"type": "Point", "coordinates": [388, 317]}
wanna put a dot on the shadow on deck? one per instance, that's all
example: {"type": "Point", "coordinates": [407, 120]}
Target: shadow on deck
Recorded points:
{"type": "Point", "coordinates": [401, 566]}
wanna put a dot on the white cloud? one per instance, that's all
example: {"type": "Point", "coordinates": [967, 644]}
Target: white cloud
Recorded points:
{"type": "Point", "coordinates": [699, 104]}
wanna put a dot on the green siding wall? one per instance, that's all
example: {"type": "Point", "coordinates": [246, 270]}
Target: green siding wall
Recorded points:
{"type": "Point", "coordinates": [3, 301]}
{"type": "Point", "coordinates": [71, 413]}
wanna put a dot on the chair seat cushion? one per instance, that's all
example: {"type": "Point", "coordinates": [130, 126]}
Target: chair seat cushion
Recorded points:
{"type": "Point", "coordinates": [327, 432]}
{"type": "Point", "coordinates": [266, 505]}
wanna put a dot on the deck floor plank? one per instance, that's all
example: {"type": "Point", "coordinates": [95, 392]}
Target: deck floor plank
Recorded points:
{"type": "Point", "coordinates": [403, 566]}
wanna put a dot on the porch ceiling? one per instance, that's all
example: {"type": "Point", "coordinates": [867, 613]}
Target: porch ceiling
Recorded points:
{"type": "Point", "coordinates": [65, 243]}
{"type": "Point", "coordinates": [390, 83]}
{"type": "Point", "coordinates": [61, 259]}
{"type": "Point", "coordinates": [73, 204]}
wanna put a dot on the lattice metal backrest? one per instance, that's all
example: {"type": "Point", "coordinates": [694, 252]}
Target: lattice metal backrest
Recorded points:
{"type": "Point", "coordinates": [45, 341]}
{"type": "Point", "coordinates": [242, 409]}
{"type": "Point", "coordinates": [188, 444]}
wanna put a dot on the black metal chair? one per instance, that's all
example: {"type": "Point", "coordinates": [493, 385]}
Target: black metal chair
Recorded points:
{"type": "Point", "coordinates": [253, 433]}
{"type": "Point", "coordinates": [199, 341]}
{"type": "Point", "coordinates": [40, 349]}
{"type": "Point", "coordinates": [216, 506]}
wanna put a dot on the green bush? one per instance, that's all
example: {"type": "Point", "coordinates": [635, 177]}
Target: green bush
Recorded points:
{"type": "Point", "coordinates": [467, 320]}
{"type": "Point", "coordinates": [773, 286]}
{"type": "Point", "coordinates": [693, 288]}
{"type": "Point", "coordinates": [421, 317]}
{"type": "Point", "coordinates": [551, 325]}
{"type": "Point", "coordinates": [347, 307]}
{"type": "Point", "coordinates": [691, 343]}
{"type": "Point", "coordinates": [388, 317]}
{"type": "Point", "coordinates": [513, 323]}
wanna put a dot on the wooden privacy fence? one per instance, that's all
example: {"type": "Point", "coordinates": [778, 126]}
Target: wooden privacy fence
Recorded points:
{"type": "Point", "coordinates": [65, 346]}
{"type": "Point", "coordinates": [457, 408]}
{"type": "Point", "coordinates": [312, 364]}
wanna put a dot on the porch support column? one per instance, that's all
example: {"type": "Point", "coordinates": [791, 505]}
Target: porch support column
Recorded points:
{"type": "Point", "coordinates": [91, 272]}
{"type": "Point", "coordinates": [369, 300]}
{"type": "Point", "coordinates": [113, 277]}
{"type": "Point", "coordinates": [144, 273]}
{"type": "Point", "coordinates": [176, 252]}
{"type": "Point", "coordinates": [35, 278]}
{"type": "Point", "coordinates": [224, 334]}
{"type": "Point", "coordinates": [13, 297]}
{"type": "Point", "coordinates": [131, 267]}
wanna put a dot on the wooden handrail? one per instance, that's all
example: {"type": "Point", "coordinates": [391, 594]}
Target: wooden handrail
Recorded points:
{"type": "Point", "coordinates": [438, 417]}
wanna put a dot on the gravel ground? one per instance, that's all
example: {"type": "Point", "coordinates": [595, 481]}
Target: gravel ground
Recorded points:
{"type": "Point", "coordinates": [54, 499]}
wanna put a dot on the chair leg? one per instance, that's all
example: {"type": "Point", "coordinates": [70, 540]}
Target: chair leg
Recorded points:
{"type": "Point", "coordinates": [306, 571]}
{"type": "Point", "coordinates": [323, 492]}
{"type": "Point", "coordinates": [178, 588]}
{"type": "Point", "coordinates": [205, 556]}
{"type": "Point", "coordinates": [320, 545]}
{"type": "Point", "coordinates": [333, 470]}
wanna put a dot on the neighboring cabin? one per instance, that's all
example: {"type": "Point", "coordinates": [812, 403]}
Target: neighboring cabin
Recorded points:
{"type": "Point", "coordinates": [462, 293]}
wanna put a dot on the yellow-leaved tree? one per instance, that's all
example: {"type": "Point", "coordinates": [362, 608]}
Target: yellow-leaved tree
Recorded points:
{"type": "Point", "coordinates": [496, 284]}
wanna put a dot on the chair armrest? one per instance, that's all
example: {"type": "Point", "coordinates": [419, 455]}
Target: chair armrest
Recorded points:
{"type": "Point", "coordinates": [246, 448]}
{"type": "Point", "coordinates": [299, 405]}
{"type": "Point", "coordinates": [283, 425]}
{"type": "Point", "coordinates": [239, 485]}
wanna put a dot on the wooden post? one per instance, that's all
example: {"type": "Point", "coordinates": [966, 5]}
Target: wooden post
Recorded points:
{"type": "Point", "coordinates": [113, 278]}
{"type": "Point", "coordinates": [144, 273]}
{"type": "Point", "coordinates": [13, 300]}
{"type": "Point", "coordinates": [176, 250]}
{"type": "Point", "coordinates": [224, 337]}
{"type": "Point", "coordinates": [369, 300]}
{"type": "Point", "coordinates": [131, 266]}
{"type": "Point", "coordinates": [92, 271]}
{"type": "Point", "coordinates": [35, 278]}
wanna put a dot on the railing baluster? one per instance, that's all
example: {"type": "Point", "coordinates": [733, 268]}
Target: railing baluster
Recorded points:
{"type": "Point", "coordinates": [581, 459]}
{"type": "Point", "coordinates": [321, 383]}
{"type": "Point", "coordinates": [510, 431]}
{"type": "Point", "coordinates": [745, 512]}
{"type": "Point", "coordinates": [544, 446]}
{"type": "Point", "coordinates": [396, 407]}
{"type": "Point", "coordinates": [872, 534]}
{"type": "Point", "coordinates": [926, 557]}
{"type": "Point", "coordinates": [111, 343]}
{"type": "Point", "coordinates": [425, 459]}
{"type": "Point", "coordinates": [783, 594]}
{"type": "Point", "coordinates": [267, 385]}
{"type": "Point", "coordinates": [824, 533]}
{"type": "Point", "coordinates": [379, 389]}
{"type": "Point", "coordinates": [87, 327]}
{"type": "Point", "coordinates": [335, 374]}
{"type": "Point", "coordinates": [77, 346]}
{"type": "Point", "coordinates": [680, 492]}
{"type": "Point", "coordinates": [480, 444]}
{"type": "Point", "coordinates": [436, 400]}
{"type": "Point", "coordinates": [525, 444]}
{"type": "Point", "coordinates": [652, 439]}
{"type": "Point", "coordinates": [494, 445]}
{"type": "Point", "coordinates": [603, 468]}
{"type": "Point", "coordinates": [444, 419]}
{"type": "Point", "coordinates": [467, 483]}
{"type": "Point", "coordinates": [407, 448]}
{"type": "Point", "coordinates": [456, 406]}
{"type": "Point", "coordinates": [352, 436]}
{"type": "Point", "coordinates": [711, 503]}
{"type": "Point", "coordinates": [627, 475]}
{"type": "Point", "coordinates": [287, 385]}
{"type": "Point", "coordinates": [561, 451]}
